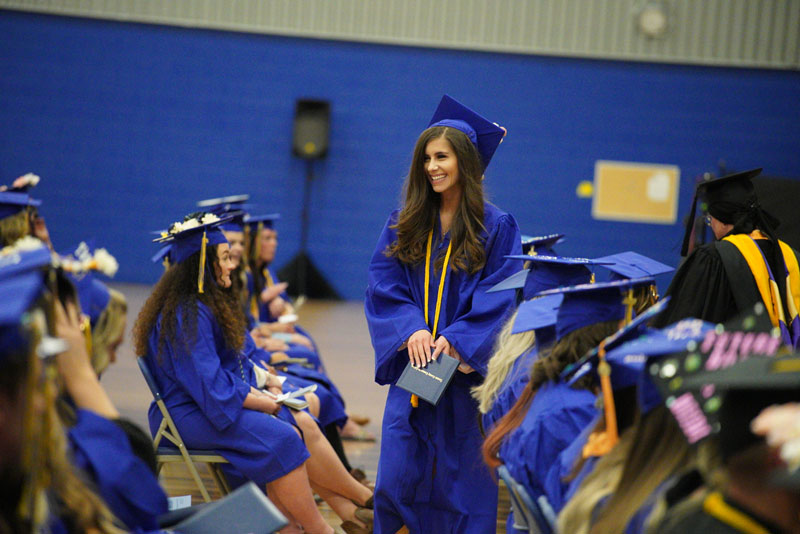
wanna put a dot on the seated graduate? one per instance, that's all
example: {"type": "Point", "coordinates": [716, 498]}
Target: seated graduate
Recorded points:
{"type": "Point", "coordinates": [550, 413]}
{"type": "Point", "coordinates": [638, 452]}
{"type": "Point", "coordinates": [329, 407]}
{"type": "Point", "coordinates": [517, 346]}
{"type": "Point", "coordinates": [192, 332]}
{"type": "Point", "coordinates": [756, 484]}
{"type": "Point", "coordinates": [746, 264]}
{"type": "Point", "coordinates": [104, 308]}
{"type": "Point", "coordinates": [111, 490]}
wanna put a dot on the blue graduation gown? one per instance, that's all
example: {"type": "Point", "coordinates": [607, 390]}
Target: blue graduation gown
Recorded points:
{"type": "Point", "coordinates": [557, 489]}
{"type": "Point", "coordinates": [204, 385]}
{"type": "Point", "coordinates": [430, 474]}
{"type": "Point", "coordinates": [518, 377]}
{"type": "Point", "coordinates": [556, 416]}
{"type": "Point", "coordinates": [101, 450]}
{"type": "Point", "coordinates": [331, 409]}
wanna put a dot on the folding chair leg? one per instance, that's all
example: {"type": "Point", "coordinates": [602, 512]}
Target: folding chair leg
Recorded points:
{"type": "Point", "coordinates": [219, 478]}
{"type": "Point", "coordinates": [195, 475]}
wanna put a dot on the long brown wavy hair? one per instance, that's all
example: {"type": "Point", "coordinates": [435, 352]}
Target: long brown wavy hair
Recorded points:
{"type": "Point", "coordinates": [547, 368]}
{"type": "Point", "coordinates": [176, 289]}
{"type": "Point", "coordinates": [422, 204]}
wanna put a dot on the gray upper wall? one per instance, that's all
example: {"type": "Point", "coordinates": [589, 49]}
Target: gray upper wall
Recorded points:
{"type": "Point", "coordinates": [741, 33]}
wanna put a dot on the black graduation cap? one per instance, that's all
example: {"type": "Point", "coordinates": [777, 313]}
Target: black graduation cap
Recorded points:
{"type": "Point", "coordinates": [696, 402]}
{"type": "Point", "coordinates": [730, 190]}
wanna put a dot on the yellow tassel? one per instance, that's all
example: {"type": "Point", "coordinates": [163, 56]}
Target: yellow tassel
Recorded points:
{"type": "Point", "coordinates": [414, 401]}
{"type": "Point", "coordinates": [601, 443]}
{"type": "Point", "coordinates": [201, 275]}
{"type": "Point", "coordinates": [257, 237]}
{"type": "Point", "coordinates": [629, 301]}
{"type": "Point", "coordinates": [86, 328]}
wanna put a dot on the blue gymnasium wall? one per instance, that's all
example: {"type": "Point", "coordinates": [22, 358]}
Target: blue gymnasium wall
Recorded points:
{"type": "Point", "coordinates": [130, 124]}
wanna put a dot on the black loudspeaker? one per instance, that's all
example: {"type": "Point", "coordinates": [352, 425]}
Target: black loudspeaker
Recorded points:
{"type": "Point", "coordinates": [311, 126]}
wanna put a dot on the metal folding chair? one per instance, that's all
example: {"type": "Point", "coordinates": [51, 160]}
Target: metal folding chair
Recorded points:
{"type": "Point", "coordinates": [175, 450]}
{"type": "Point", "coordinates": [529, 515]}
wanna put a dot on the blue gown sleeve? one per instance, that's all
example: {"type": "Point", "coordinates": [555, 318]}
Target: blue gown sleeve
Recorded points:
{"type": "Point", "coordinates": [392, 313]}
{"type": "Point", "coordinates": [102, 451]}
{"type": "Point", "coordinates": [482, 314]}
{"type": "Point", "coordinates": [218, 392]}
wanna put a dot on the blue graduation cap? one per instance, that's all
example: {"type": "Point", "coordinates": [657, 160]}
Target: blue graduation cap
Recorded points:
{"type": "Point", "coordinates": [12, 203]}
{"type": "Point", "coordinates": [259, 222]}
{"type": "Point", "coordinates": [233, 206]}
{"type": "Point", "coordinates": [192, 235]}
{"type": "Point", "coordinates": [537, 313]}
{"type": "Point", "coordinates": [587, 304]}
{"type": "Point", "coordinates": [26, 255]}
{"type": "Point", "coordinates": [547, 272]}
{"type": "Point", "coordinates": [484, 134]}
{"type": "Point", "coordinates": [542, 244]}
{"type": "Point", "coordinates": [632, 265]}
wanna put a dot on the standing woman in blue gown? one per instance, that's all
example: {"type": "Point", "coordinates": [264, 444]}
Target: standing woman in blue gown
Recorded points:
{"type": "Point", "coordinates": [428, 277]}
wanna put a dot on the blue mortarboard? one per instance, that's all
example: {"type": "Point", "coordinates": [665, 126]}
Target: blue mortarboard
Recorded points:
{"type": "Point", "coordinates": [92, 294]}
{"type": "Point", "coordinates": [14, 261]}
{"type": "Point", "coordinates": [633, 265]}
{"type": "Point", "coordinates": [548, 272]}
{"type": "Point", "coordinates": [537, 314]}
{"type": "Point", "coordinates": [587, 304]}
{"type": "Point", "coordinates": [543, 244]}
{"type": "Point", "coordinates": [184, 239]}
{"type": "Point", "coordinates": [266, 221]}
{"type": "Point", "coordinates": [12, 203]}
{"type": "Point", "coordinates": [484, 134]}
{"type": "Point", "coordinates": [233, 206]}
{"type": "Point", "coordinates": [17, 293]}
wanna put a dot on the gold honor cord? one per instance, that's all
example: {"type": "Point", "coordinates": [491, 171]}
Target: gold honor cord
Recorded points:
{"type": "Point", "coordinates": [414, 398]}
{"type": "Point", "coordinates": [268, 277]}
{"type": "Point", "coordinates": [715, 506]}
{"type": "Point", "coordinates": [202, 274]}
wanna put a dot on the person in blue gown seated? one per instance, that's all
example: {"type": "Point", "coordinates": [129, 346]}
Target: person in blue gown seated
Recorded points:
{"type": "Point", "coordinates": [426, 295]}
{"type": "Point", "coordinates": [527, 331]}
{"type": "Point", "coordinates": [621, 487]}
{"type": "Point", "coordinates": [41, 489]}
{"type": "Point", "coordinates": [550, 413]}
{"type": "Point", "coordinates": [192, 332]}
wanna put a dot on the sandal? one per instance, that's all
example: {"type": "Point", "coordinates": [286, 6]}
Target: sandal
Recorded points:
{"type": "Point", "coordinates": [361, 435]}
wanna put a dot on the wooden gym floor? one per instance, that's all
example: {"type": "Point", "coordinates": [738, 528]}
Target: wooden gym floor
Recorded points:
{"type": "Point", "coordinates": [340, 331]}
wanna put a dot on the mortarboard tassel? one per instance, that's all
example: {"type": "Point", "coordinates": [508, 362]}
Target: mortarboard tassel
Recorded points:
{"type": "Point", "coordinates": [201, 275]}
{"type": "Point", "coordinates": [257, 237]}
{"type": "Point", "coordinates": [629, 301]}
{"type": "Point", "coordinates": [600, 443]}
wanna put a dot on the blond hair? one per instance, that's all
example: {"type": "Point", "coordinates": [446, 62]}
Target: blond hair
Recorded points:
{"type": "Point", "coordinates": [507, 349]}
{"type": "Point", "coordinates": [109, 328]}
{"type": "Point", "coordinates": [14, 227]}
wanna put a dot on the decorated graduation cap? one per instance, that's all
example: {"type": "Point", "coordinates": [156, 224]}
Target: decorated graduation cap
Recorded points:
{"type": "Point", "coordinates": [194, 234]}
{"type": "Point", "coordinates": [484, 134]}
{"type": "Point", "coordinates": [543, 244]}
{"type": "Point", "coordinates": [695, 402]}
{"type": "Point", "coordinates": [728, 198]}
{"type": "Point", "coordinates": [547, 272]}
{"type": "Point", "coordinates": [233, 207]}
{"type": "Point", "coordinates": [632, 265]}
{"type": "Point", "coordinates": [81, 264]}
{"type": "Point", "coordinates": [22, 184]}
{"type": "Point", "coordinates": [12, 202]}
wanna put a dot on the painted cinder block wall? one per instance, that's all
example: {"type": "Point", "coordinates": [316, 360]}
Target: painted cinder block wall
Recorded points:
{"type": "Point", "coordinates": [130, 124]}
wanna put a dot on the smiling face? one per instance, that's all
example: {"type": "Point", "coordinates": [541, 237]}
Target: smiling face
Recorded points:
{"type": "Point", "coordinates": [224, 265]}
{"type": "Point", "coordinates": [236, 242]}
{"type": "Point", "coordinates": [441, 166]}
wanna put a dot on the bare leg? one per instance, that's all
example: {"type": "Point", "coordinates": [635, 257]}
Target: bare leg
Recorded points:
{"type": "Point", "coordinates": [295, 496]}
{"type": "Point", "coordinates": [293, 527]}
{"type": "Point", "coordinates": [342, 506]}
{"type": "Point", "coordinates": [324, 467]}
{"type": "Point", "coordinates": [313, 404]}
